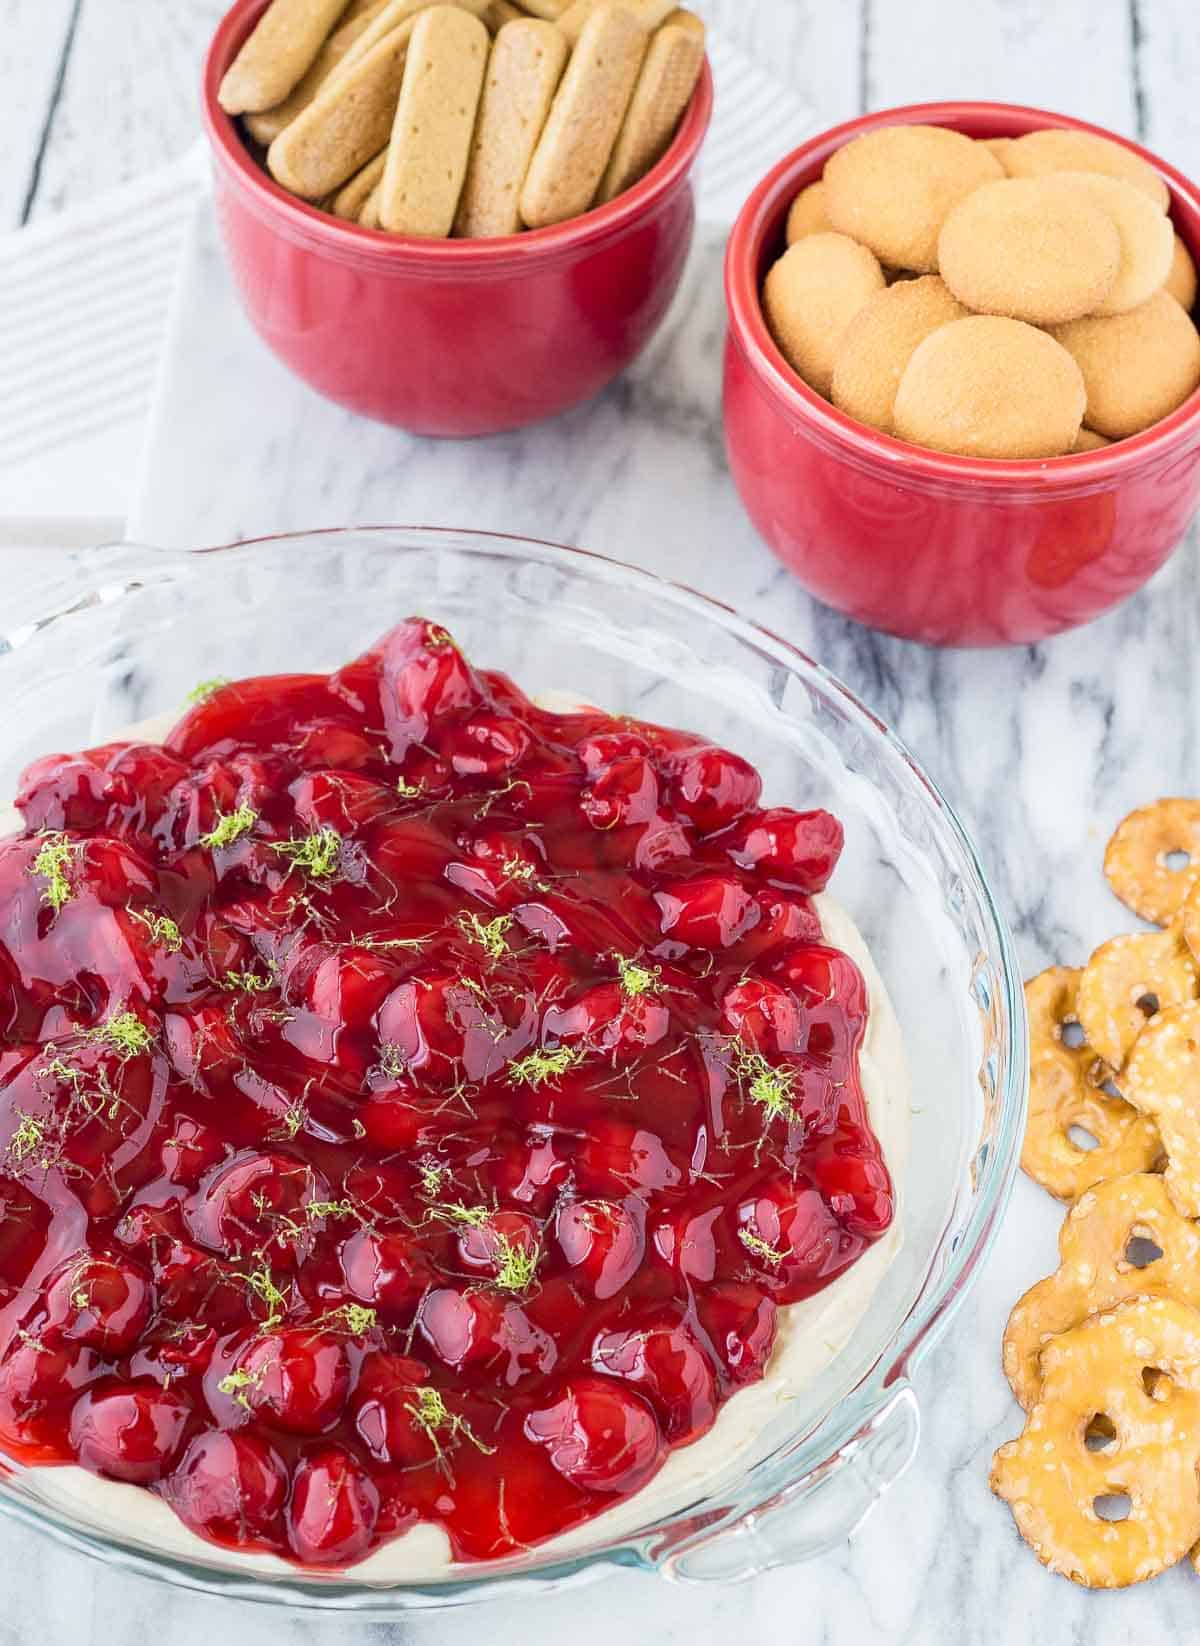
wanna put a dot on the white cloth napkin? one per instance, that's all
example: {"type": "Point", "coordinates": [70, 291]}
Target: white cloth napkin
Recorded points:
{"type": "Point", "coordinates": [85, 299]}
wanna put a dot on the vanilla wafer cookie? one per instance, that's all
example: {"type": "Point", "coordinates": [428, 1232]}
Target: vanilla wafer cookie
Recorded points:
{"type": "Point", "coordinates": [585, 118]}
{"type": "Point", "coordinates": [347, 125]}
{"type": "Point", "coordinates": [349, 201]}
{"type": "Point", "coordinates": [265, 128]}
{"type": "Point", "coordinates": [523, 72]}
{"type": "Point", "coordinates": [278, 54]}
{"type": "Point", "coordinates": [663, 92]}
{"type": "Point", "coordinates": [431, 137]}
{"type": "Point", "coordinates": [396, 12]}
{"type": "Point", "coordinates": [649, 13]}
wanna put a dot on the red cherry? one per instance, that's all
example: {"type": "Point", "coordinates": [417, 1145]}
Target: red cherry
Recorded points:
{"type": "Point", "coordinates": [333, 1509]}
{"type": "Point", "coordinates": [529, 1169]}
{"type": "Point", "coordinates": [37, 1383]}
{"type": "Point", "coordinates": [194, 1286]}
{"type": "Point", "coordinates": [673, 1370]}
{"type": "Point", "coordinates": [688, 1243]}
{"type": "Point", "coordinates": [711, 912]}
{"type": "Point", "coordinates": [605, 749]}
{"type": "Point", "coordinates": [255, 1200]}
{"type": "Point", "coordinates": [461, 1327]}
{"type": "Point", "coordinates": [486, 1246]}
{"type": "Point", "coordinates": [202, 1046]}
{"type": "Point", "coordinates": [70, 792]}
{"type": "Point", "coordinates": [348, 986]}
{"type": "Point", "coordinates": [298, 1377]}
{"type": "Point", "coordinates": [329, 743]}
{"type": "Point", "coordinates": [600, 1436]}
{"type": "Point", "coordinates": [100, 1300]}
{"type": "Point", "coordinates": [231, 1487]}
{"type": "Point", "coordinates": [625, 792]}
{"type": "Point", "coordinates": [856, 1183]}
{"type": "Point", "coordinates": [133, 1433]}
{"type": "Point", "coordinates": [487, 745]}
{"type": "Point", "coordinates": [765, 1016]}
{"type": "Point", "coordinates": [602, 1242]}
{"type": "Point", "coordinates": [393, 1422]}
{"type": "Point", "coordinates": [191, 1150]}
{"type": "Point", "coordinates": [740, 1322]}
{"type": "Point", "coordinates": [387, 1270]}
{"type": "Point", "coordinates": [341, 800]}
{"type": "Point", "coordinates": [259, 711]}
{"type": "Point", "coordinates": [711, 786]}
{"type": "Point", "coordinates": [422, 677]}
{"type": "Point", "coordinates": [798, 849]}
{"type": "Point", "coordinates": [795, 1237]}
{"type": "Point", "coordinates": [619, 1156]}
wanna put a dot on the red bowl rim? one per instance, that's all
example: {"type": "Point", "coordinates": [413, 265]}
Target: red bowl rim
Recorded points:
{"type": "Point", "coordinates": [864, 444]}
{"type": "Point", "coordinates": [380, 249]}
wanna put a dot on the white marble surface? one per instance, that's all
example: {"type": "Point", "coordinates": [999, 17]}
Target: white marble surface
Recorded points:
{"type": "Point", "coordinates": [1042, 750]}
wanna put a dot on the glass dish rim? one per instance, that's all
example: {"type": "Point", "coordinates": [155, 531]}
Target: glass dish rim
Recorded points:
{"type": "Point", "coordinates": [927, 1317]}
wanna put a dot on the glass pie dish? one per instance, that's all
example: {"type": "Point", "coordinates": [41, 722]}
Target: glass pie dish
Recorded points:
{"type": "Point", "coordinates": [126, 633]}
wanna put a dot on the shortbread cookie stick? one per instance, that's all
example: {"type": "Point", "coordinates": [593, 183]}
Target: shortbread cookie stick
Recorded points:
{"type": "Point", "coordinates": [663, 92]}
{"type": "Point", "coordinates": [396, 12]}
{"type": "Point", "coordinates": [649, 13]}
{"type": "Point", "coordinates": [500, 12]}
{"type": "Point", "coordinates": [550, 10]}
{"type": "Point", "coordinates": [278, 54]}
{"type": "Point", "coordinates": [526, 65]}
{"type": "Point", "coordinates": [265, 128]}
{"type": "Point", "coordinates": [431, 137]}
{"type": "Point", "coordinates": [349, 202]}
{"type": "Point", "coordinates": [347, 124]}
{"type": "Point", "coordinates": [585, 119]}
{"type": "Point", "coordinates": [368, 218]}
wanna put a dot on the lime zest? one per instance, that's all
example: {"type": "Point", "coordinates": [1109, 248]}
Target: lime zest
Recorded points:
{"type": "Point", "coordinates": [260, 1283]}
{"type": "Point", "coordinates": [392, 1065]}
{"type": "Point", "coordinates": [637, 980]}
{"type": "Point", "coordinates": [28, 1139]}
{"type": "Point", "coordinates": [516, 1264]}
{"type": "Point", "coordinates": [161, 927]}
{"type": "Point", "coordinates": [433, 1417]}
{"type": "Point", "coordinates": [433, 1175]}
{"type": "Point", "coordinates": [125, 1034]}
{"type": "Point", "coordinates": [237, 1382]}
{"type": "Point", "coordinates": [536, 1068]}
{"type": "Point", "coordinates": [489, 937]}
{"type": "Point", "coordinates": [410, 791]}
{"type": "Point", "coordinates": [771, 1088]}
{"type": "Point", "coordinates": [247, 983]}
{"type": "Point", "coordinates": [51, 864]}
{"type": "Point", "coordinates": [329, 1208]}
{"type": "Point", "coordinates": [230, 827]}
{"type": "Point", "coordinates": [355, 1319]}
{"type": "Point", "coordinates": [207, 689]}
{"type": "Point", "coordinates": [762, 1249]}
{"type": "Point", "coordinates": [454, 1211]}
{"type": "Point", "coordinates": [318, 854]}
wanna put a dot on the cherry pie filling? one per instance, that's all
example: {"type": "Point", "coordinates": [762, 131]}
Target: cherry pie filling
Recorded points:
{"type": "Point", "coordinates": [414, 1105]}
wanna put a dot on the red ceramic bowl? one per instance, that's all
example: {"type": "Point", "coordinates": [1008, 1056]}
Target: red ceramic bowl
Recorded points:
{"type": "Point", "coordinates": [949, 550]}
{"type": "Point", "coordinates": [450, 337]}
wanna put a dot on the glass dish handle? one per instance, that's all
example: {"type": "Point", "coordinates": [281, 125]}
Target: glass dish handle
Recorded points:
{"type": "Point", "coordinates": [815, 1513]}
